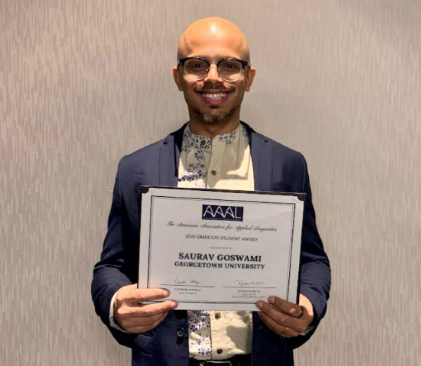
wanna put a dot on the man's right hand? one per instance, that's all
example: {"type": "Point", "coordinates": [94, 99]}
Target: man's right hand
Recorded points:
{"type": "Point", "coordinates": [135, 318]}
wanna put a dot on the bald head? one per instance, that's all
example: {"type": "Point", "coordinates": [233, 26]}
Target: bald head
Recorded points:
{"type": "Point", "coordinates": [215, 37]}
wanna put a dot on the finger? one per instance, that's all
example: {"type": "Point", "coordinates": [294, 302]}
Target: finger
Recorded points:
{"type": "Point", "coordinates": [277, 328]}
{"type": "Point", "coordinates": [285, 306]}
{"type": "Point", "coordinates": [144, 311]}
{"type": "Point", "coordinates": [138, 322]}
{"type": "Point", "coordinates": [135, 295]}
{"type": "Point", "coordinates": [303, 311]}
{"type": "Point", "coordinates": [281, 318]}
{"type": "Point", "coordinates": [144, 328]}
{"type": "Point", "coordinates": [130, 322]}
{"type": "Point", "coordinates": [152, 309]}
{"type": "Point", "coordinates": [306, 306]}
{"type": "Point", "coordinates": [274, 313]}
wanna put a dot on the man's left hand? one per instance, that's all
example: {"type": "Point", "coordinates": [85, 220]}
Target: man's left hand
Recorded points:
{"type": "Point", "coordinates": [285, 318]}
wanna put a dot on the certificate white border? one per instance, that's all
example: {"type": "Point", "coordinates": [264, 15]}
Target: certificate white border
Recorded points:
{"type": "Point", "coordinates": [150, 194]}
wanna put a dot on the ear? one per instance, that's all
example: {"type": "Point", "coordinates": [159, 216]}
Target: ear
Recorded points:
{"type": "Point", "coordinates": [249, 78]}
{"type": "Point", "coordinates": [177, 77]}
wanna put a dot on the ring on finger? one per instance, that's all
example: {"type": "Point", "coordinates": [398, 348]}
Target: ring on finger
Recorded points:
{"type": "Point", "coordinates": [302, 312]}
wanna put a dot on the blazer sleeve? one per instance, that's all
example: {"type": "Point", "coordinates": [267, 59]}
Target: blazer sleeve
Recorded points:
{"type": "Point", "coordinates": [315, 274]}
{"type": "Point", "coordinates": [108, 274]}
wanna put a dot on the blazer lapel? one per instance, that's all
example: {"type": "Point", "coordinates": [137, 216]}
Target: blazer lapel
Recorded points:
{"type": "Point", "coordinates": [169, 157]}
{"type": "Point", "coordinates": [261, 156]}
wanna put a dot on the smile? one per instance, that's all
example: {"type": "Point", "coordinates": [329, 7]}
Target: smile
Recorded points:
{"type": "Point", "coordinates": [214, 98]}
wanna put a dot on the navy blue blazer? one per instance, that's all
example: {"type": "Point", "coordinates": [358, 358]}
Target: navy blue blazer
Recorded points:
{"type": "Point", "coordinates": [276, 168]}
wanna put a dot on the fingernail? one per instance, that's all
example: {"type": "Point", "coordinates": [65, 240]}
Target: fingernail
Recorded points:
{"type": "Point", "coordinates": [271, 299]}
{"type": "Point", "coordinates": [165, 293]}
{"type": "Point", "coordinates": [259, 304]}
{"type": "Point", "coordinates": [173, 304]}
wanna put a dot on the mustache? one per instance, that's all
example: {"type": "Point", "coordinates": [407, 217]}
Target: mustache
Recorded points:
{"type": "Point", "coordinates": [217, 89]}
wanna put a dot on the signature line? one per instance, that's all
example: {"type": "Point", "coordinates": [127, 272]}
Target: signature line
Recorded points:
{"type": "Point", "coordinates": [183, 285]}
{"type": "Point", "coordinates": [247, 287]}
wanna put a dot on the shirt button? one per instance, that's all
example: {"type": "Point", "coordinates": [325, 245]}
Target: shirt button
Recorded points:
{"type": "Point", "coordinates": [217, 315]}
{"type": "Point", "coordinates": [202, 143]}
{"type": "Point", "coordinates": [213, 172]}
{"type": "Point", "coordinates": [219, 351]}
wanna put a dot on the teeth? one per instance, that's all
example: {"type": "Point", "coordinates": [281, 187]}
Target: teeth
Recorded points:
{"type": "Point", "coordinates": [215, 96]}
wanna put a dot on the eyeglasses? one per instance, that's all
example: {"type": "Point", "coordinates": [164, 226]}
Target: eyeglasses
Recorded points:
{"type": "Point", "coordinates": [229, 69]}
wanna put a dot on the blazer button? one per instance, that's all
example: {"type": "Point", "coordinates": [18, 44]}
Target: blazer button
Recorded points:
{"type": "Point", "coordinates": [180, 332]}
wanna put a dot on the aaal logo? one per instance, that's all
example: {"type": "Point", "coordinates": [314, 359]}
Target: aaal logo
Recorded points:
{"type": "Point", "coordinates": [228, 213]}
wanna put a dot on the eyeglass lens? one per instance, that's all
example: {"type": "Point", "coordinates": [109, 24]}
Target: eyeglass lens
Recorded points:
{"type": "Point", "coordinates": [229, 70]}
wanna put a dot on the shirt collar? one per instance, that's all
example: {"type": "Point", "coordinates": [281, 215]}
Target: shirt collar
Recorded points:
{"type": "Point", "coordinates": [192, 140]}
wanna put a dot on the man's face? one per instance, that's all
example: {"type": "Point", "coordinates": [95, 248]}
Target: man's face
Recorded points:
{"type": "Point", "coordinates": [213, 99]}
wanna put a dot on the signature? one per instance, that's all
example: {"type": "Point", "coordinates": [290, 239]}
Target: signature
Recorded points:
{"type": "Point", "coordinates": [186, 282]}
{"type": "Point", "coordinates": [249, 283]}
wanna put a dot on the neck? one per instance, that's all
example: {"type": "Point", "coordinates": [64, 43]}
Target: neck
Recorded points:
{"type": "Point", "coordinates": [212, 129]}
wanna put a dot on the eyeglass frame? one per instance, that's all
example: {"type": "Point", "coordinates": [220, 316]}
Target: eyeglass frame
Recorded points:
{"type": "Point", "coordinates": [243, 63]}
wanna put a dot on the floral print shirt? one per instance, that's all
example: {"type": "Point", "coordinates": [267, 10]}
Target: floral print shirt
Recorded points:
{"type": "Point", "coordinates": [223, 162]}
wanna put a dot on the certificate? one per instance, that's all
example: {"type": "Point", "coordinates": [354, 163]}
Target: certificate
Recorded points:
{"type": "Point", "coordinates": [220, 250]}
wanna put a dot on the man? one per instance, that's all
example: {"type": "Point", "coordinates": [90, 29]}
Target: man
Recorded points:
{"type": "Point", "coordinates": [214, 150]}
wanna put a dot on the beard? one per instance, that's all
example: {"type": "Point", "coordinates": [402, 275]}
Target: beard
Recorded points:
{"type": "Point", "coordinates": [216, 118]}
{"type": "Point", "coordinates": [219, 118]}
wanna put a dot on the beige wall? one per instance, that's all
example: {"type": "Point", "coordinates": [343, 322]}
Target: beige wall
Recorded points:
{"type": "Point", "coordinates": [84, 82]}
